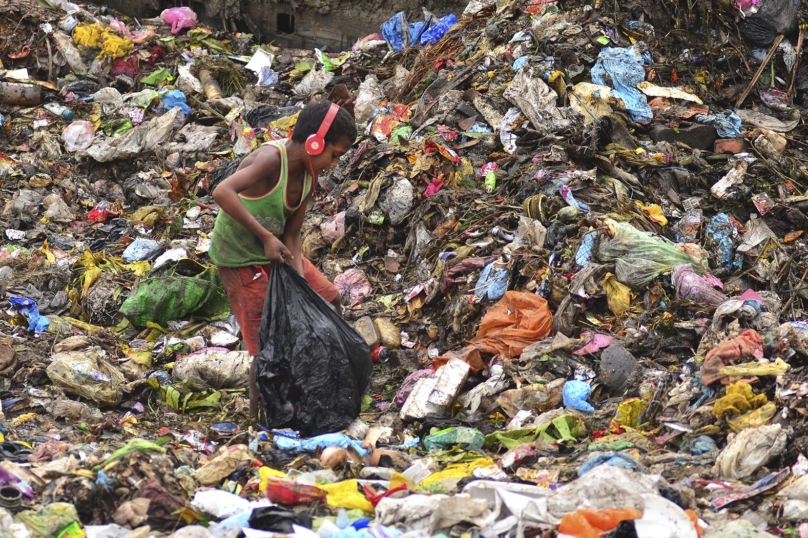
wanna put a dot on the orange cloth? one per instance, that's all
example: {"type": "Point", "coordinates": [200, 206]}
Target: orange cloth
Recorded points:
{"type": "Point", "coordinates": [586, 523]}
{"type": "Point", "coordinates": [516, 321]}
{"type": "Point", "coordinates": [746, 346]}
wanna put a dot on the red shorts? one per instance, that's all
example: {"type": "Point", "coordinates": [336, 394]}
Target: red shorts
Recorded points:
{"type": "Point", "coordinates": [246, 288]}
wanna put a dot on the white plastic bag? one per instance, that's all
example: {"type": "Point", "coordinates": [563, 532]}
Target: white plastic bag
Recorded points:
{"type": "Point", "coordinates": [78, 136]}
{"type": "Point", "coordinates": [750, 450]}
{"type": "Point", "coordinates": [399, 200]}
{"type": "Point", "coordinates": [221, 504]}
{"type": "Point", "coordinates": [315, 81]}
{"type": "Point", "coordinates": [368, 99]}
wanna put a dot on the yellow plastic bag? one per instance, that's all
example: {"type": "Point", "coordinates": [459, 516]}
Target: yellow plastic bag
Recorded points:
{"type": "Point", "coordinates": [389, 334]}
{"type": "Point", "coordinates": [654, 212]}
{"type": "Point", "coordinates": [94, 36]}
{"type": "Point", "coordinates": [738, 400]}
{"type": "Point", "coordinates": [778, 367]}
{"type": "Point", "coordinates": [618, 295]}
{"type": "Point", "coordinates": [753, 419]}
{"type": "Point", "coordinates": [398, 480]}
{"type": "Point", "coordinates": [148, 215]}
{"type": "Point", "coordinates": [88, 35]}
{"type": "Point", "coordinates": [265, 473]}
{"type": "Point", "coordinates": [455, 470]}
{"type": "Point", "coordinates": [346, 495]}
{"type": "Point", "coordinates": [115, 46]}
{"type": "Point", "coordinates": [629, 412]}
{"type": "Point", "coordinates": [285, 123]}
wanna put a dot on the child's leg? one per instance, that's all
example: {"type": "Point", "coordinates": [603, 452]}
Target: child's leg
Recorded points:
{"type": "Point", "coordinates": [321, 284]}
{"type": "Point", "coordinates": [246, 288]}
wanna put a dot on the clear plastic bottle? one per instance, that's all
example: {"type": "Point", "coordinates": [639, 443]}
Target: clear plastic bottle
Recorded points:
{"type": "Point", "coordinates": [60, 110]}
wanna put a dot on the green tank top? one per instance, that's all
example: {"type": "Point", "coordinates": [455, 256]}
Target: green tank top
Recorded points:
{"type": "Point", "coordinates": [232, 245]}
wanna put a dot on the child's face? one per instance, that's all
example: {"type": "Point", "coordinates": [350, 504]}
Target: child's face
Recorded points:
{"type": "Point", "coordinates": [329, 158]}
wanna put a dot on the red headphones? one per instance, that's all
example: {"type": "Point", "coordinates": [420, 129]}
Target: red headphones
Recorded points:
{"type": "Point", "coordinates": [315, 144]}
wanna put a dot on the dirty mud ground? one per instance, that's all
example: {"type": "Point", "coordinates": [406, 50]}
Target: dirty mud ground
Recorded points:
{"type": "Point", "coordinates": [643, 249]}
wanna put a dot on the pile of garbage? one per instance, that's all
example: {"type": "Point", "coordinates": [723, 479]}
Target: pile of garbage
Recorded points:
{"type": "Point", "coordinates": [570, 235]}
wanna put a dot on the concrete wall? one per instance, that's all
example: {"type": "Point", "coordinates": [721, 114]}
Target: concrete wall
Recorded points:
{"type": "Point", "coordinates": [334, 24]}
{"type": "Point", "coordinates": [312, 29]}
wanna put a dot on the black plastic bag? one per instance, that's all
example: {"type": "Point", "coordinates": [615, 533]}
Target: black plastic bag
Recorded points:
{"type": "Point", "coordinates": [277, 519]}
{"type": "Point", "coordinates": [773, 18]}
{"type": "Point", "coordinates": [313, 368]}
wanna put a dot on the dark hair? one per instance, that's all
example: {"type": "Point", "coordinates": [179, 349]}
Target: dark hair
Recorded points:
{"type": "Point", "coordinates": [310, 119]}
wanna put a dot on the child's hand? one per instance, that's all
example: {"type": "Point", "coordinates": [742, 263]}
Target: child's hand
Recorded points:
{"type": "Point", "coordinates": [275, 250]}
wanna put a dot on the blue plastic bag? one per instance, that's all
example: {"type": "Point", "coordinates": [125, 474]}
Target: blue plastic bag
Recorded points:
{"type": "Point", "coordinates": [615, 459]}
{"type": "Point", "coordinates": [493, 282]}
{"type": "Point", "coordinates": [720, 231]}
{"type": "Point", "coordinates": [566, 193]}
{"type": "Point", "coordinates": [28, 308]}
{"type": "Point", "coordinates": [417, 29]}
{"type": "Point", "coordinates": [575, 394]}
{"type": "Point", "coordinates": [393, 30]}
{"type": "Point", "coordinates": [622, 70]}
{"type": "Point", "coordinates": [586, 251]}
{"type": "Point", "coordinates": [702, 445]}
{"type": "Point", "coordinates": [438, 30]}
{"type": "Point", "coordinates": [141, 249]}
{"type": "Point", "coordinates": [520, 63]}
{"type": "Point", "coordinates": [727, 124]}
{"type": "Point", "coordinates": [309, 446]}
{"type": "Point", "coordinates": [175, 98]}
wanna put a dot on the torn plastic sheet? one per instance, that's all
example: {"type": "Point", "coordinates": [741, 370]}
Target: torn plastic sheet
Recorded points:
{"type": "Point", "coordinates": [769, 122]}
{"type": "Point", "coordinates": [624, 69]}
{"type": "Point", "coordinates": [538, 102]}
{"type": "Point", "coordinates": [511, 121]}
{"type": "Point", "coordinates": [261, 65]}
{"type": "Point", "coordinates": [518, 506]}
{"type": "Point", "coordinates": [145, 137]}
{"type": "Point", "coordinates": [652, 90]}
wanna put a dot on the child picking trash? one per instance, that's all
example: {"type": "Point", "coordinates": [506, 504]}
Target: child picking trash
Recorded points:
{"type": "Point", "coordinates": [262, 206]}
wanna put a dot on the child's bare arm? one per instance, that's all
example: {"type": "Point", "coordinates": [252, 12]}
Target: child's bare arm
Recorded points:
{"type": "Point", "coordinates": [291, 235]}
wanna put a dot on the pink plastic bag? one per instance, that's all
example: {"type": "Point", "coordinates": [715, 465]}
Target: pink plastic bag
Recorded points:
{"type": "Point", "coordinates": [179, 18]}
{"type": "Point", "coordinates": [119, 27]}
{"type": "Point", "coordinates": [333, 228]}
{"type": "Point", "coordinates": [353, 286]}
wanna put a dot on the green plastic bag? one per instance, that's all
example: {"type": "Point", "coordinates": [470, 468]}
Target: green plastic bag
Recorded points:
{"type": "Point", "coordinates": [559, 430]}
{"type": "Point", "coordinates": [467, 438]}
{"type": "Point", "coordinates": [640, 257]}
{"type": "Point", "coordinates": [134, 445]}
{"type": "Point", "coordinates": [49, 520]}
{"type": "Point", "coordinates": [157, 77]}
{"type": "Point", "coordinates": [116, 126]}
{"type": "Point", "coordinates": [176, 292]}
